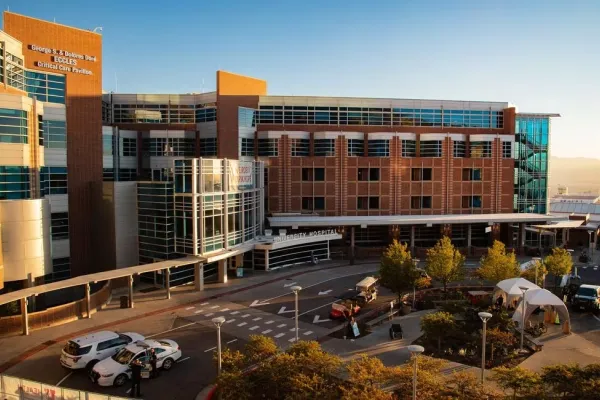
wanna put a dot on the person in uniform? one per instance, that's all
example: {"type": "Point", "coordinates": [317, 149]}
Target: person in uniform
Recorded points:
{"type": "Point", "coordinates": [153, 361]}
{"type": "Point", "coordinates": [136, 378]}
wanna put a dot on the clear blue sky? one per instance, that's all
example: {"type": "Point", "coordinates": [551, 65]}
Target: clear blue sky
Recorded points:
{"type": "Point", "coordinates": [543, 56]}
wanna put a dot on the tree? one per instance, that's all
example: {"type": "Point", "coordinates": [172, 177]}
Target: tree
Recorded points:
{"type": "Point", "coordinates": [397, 270]}
{"type": "Point", "coordinates": [530, 272]}
{"type": "Point", "coordinates": [559, 263]}
{"type": "Point", "coordinates": [437, 325]}
{"type": "Point", "coordinates": [444, 262]}
{"type": "Point", "coordinates": [520, 380]}
{"type": "Point", "coordinates": [431, 381]}
{"type": "Point", "coordinates": [498, 265]}
{"type": "Point", "coordinates": [466, 386]}
{"type": "Point", "coordinates": [562, 378]}
{"type": "Point", "coordinates": [499, 340]}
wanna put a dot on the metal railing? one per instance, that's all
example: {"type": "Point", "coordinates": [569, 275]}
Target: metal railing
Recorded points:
{"type": "Point", "coordinates": [13, 388]}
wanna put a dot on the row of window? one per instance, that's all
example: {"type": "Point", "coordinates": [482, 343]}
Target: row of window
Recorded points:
{"type": "Point", "coordinates": [55, 134]}
{"type": "Point", "coordinates": [317, 203]}
{"type": "Point", "coordinates": [59, 228]}
{"type": "Point", "coordinates": [13, 126]}
{"type": "Point", "coordinates": [13, 67]}
{"type": "Point", "coordinates": [373, 174]}
{"type": "Point", "coordinates": [179, 147]}
{"type": "Point", "coordinates": [304, 115]}
{"type": "Point", "coordinates": [53, 180]}
{"type": "Point", "coordinates": [45, 87]}
{"type": "Point", "coordinates": [14, 183]}
{"type": "Point", "coordinates": [376, 148]}
{"type": "Point", "coordinates": [163, 113]}
{"type": "Point", "coordinates": [122, 175]}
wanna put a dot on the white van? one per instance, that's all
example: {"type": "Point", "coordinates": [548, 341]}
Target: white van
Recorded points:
{"type": "Point", "coordinates": [86, 351]}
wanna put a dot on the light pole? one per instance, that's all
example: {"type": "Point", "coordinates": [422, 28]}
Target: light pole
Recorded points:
{"type": "Point", "coordinates": [296, 289]}
{"type": "Point", "coordinates": [416, 263]}
{"type": "Point", "coordinates": [485, 316]}
{"type": "Point", "coordinates": [415, 350]}
{"type": "Point", "coordinates": [218, 322]}
{"type": "Point", "coordinates": [524, 290]}
{"type": "Point", "coordinates": [536, 260]}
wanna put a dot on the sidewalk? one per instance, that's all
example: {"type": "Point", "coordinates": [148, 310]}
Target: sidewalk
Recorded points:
{"type": "Point", "coordinates": [15, 348]}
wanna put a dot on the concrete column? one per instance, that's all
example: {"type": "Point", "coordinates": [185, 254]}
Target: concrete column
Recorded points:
{"type": "Point", "coordinates": [198, 277]}
{"type": "Point", "coordinates": [222, 271]}
{"type": "Point", "coordinates": [352, 248]}
{"type": "Point", "coordinates": [167, 273]}
{"type": "Point", "coordinates": [412, 240]}
{"type": "Point", "coordinates": [88, 305]}
{"type": "Point", "coordinates": [24, 316]}
{"type": "Point", "coordinates": [266, 260]}
{"type": "Point", "coordinates": [130, 283]}
{"type": "Point", "coordinates": [469, 236]}
{"type": "Point", "coordinates": [521, 238]}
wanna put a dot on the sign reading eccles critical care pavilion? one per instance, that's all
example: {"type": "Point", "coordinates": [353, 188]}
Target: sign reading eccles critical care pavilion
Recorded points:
{"type": "Point", "coordinates": [62, 60]}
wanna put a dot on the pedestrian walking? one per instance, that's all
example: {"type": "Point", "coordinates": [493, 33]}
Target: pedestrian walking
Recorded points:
{"type": "Point", "coordinates": [136, 378]}
{"type": "Point", "coordinates": [153, 361]}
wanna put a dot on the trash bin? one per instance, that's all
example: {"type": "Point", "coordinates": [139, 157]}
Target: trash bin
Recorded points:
{"type": "Point", "coordinates": [124, 301]}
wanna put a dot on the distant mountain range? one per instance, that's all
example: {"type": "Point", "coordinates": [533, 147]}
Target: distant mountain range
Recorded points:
{"type": "Point", "coordinates": [578, 174]}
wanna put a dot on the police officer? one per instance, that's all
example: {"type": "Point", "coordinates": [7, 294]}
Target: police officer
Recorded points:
{"type": "Point", "coordinates": [153, 361]}
{"type": "Point", "coordinates": [136, 378]}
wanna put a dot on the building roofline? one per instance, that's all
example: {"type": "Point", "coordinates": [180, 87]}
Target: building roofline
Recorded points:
{"type": "Point", "coordinates": [51, 22]}
{"type": "Point", "coordinates": [507, 104]}
{"type": "Point", "coordinates": [550, 115]}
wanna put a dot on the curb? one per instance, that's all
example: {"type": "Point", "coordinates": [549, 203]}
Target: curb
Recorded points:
{"type": "Point", "coordinates": [28, 353]}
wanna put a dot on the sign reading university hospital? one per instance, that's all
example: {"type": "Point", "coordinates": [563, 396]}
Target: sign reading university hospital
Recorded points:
{"type": "Point", "coordinates": [301, 235]}
{"type": "Point", "coordinates": [63, 60]}
{"type": "Point", "coordinates": [241, 175]}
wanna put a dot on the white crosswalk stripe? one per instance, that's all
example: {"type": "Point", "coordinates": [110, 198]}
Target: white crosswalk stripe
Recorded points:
{"type": "Point", "coordinates": [281, 326]}
{"type": "Point", "coordinates": [224, 310]}
{"type": "Point", "coordinates": [308, 332]}
{"type": "Point", "coordinates": [213, 307]}
{"type": "Point", "coordinates": [230, 320]}
{"type": "Point", "coordinates": [203, 304]}
{"type": "Point", "coordinates": [198, 311]}
{"type": "Point", "coordinates": [257, 319]}
{"type": "Point", "coordinates": [209, 314]}
{"type": "Point", "coordinates": [292, 339]}
{"type": "Point", "coordinates": [269, 322]}
{"type": "Point", "coordinates": [189, 308]}
{"type": "Point", "coordinates": [267, 331]}
{"type": "Point", "coordinates": [255, 327]}
{"type": "Point", "coordinates": [234, 312]}
{"type": "Point", "coordinates": [243, 323]}
{"type": "Point", "coordinates": [245, 315]}
{"type": "Point", "coordinates": [279, 335]}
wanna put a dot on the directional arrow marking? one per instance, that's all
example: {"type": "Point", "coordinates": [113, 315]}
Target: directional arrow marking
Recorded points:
{"type": "Point", "coordinates": [283, 310]}
{"type": "Point", "coordinates": [325, 292]}
{"type": "Point", "coordinates": [318, 319]}
{"type": "Point", "coordinates": [289, 284]}
{"type": "Point", "coordinates": [257, 303]}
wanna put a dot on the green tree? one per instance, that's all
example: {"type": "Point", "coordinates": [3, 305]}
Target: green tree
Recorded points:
{"type": "Point", "coordinates": [444, 263]}
{"type": "Point", "coordinates": [466, 386]}
{"type": "Point", "coordinates": [437, 325]}
{"type": "Point", "coordinates": [530, 272]}
{"type": "Point", "coordinates": [430, 380]}
{"type": "Point", "coordinates": [499, 341]}
{"type": "Point", "coordinates": [562, 378]}
{"type": "Point", "coordinates": [498, 264]}
{"type": "Point", "coordinates": [520, 380]}
{"type": "Point", "coordinates": [559, 263]}
{"type": "Point", "coordinates": [397, 270]}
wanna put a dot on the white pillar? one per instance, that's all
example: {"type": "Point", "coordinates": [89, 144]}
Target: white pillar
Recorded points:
{"type": "Point", "coordinates": [222, 271]}
{"type": "Point", "coordinates": [88, 305]}
{"type": "Point", "coordinates": [130, 283]}
{"type": "Point", "coordinates": [168, 282]}
{"type": "Point", "coordinates": [469, 235]}
{"type": "Point", "coordinates": [199, 277]}
{"type": "Point", "coordinates": [24, 316]}
{"type": "Point", "coordinates": [266, 260]}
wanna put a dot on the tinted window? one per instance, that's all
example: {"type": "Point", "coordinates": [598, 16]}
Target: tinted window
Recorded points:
{"type": "Point", "coordinates": [106, 344]}
{"type": "Point", "coordinates": [591, 292]}
{"type": "Point", "coordinates": [74, 349]}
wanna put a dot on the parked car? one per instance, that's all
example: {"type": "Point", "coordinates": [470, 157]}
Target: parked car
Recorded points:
{"type": "Point", "coordinates": [587, 297]}
{"type": "Point", "coordinates": [346, 308]}
{"type": "Point", "coordinates": [116, 370]}
{"type": "Point", "coordinates": [86, 351]}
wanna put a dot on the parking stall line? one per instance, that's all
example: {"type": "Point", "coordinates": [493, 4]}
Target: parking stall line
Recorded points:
{"type": "Point", "coordinates": [64, 379]}
{"type": "Point", "coordinates": [182, 360]}
{"type": "Point", "coordinates": [211, 349]}
{"type": "Point", "coordinates": [269, 322]}
{"type": "Point", "coordinates": [281, 325]}
{"type": "Point", "coordinates": [257, 319]}
{"type": "Point", "coordinates": [243, 323]}
{"type": "Point", "coordinates": [255, 327]}
{"type": "Point", "coordinates": [279, 335]}
{"type": "Point", "coordinates": [230, 321]}
{"type": "Point", "coordinates": [231, 341]}
{"type": "Point", "coordinates": [267, 331]}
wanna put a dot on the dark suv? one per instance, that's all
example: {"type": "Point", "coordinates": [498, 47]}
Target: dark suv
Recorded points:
{"type": "Point", "coordinates": [587, 298]}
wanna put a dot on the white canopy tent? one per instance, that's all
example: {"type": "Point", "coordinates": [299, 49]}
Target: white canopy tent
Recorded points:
{"type": "Point", "coordinates": [509, 290]}
{"type": "Point", "coordinates": [535, 298]}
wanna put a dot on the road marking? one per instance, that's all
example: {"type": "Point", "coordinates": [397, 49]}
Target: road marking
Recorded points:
{"type": "Point", "coordinates": [257, 319]}
{"type": "Point", "coordinates": [283, 310]}
{"type": "Point", "coordinates": [289, 284]}
{"type": "Point", "coordinates": [209, 314]}
{"type": "Point", "coordinates": [183, 359]}
{"type": "Point", "coordinates": [190, 308]}
{"type": "Point", "coordinates": [211, 349]}
{"type": "Point", "coordinates": [257, 303]}
{"type": "Point", "coordinates": [243, 323]}
{"type": "Point", "coordinates": [198, 311]}
{"type": "Point", "coordinates": [325, 292]}
{"type": "Point", "coordinates": [203, 304]}
{"type": "Point", "coordinates": [267, 331]}
{"type": "Point", "coordinates": [128, 390]}
{"type": "Point", "coordinates": [231, 341]}
{"type": "Point", "coordinates": [245, 315]}
{"type": "Point", "coordinates": [318, 320]}
{"type": "Point", "coordinates": [255, 327]}
{"type": "Point", "coordinates": [230, 321]}
{"type": "Point", "coordinates": [64, 379]}
{"type": "Point", "coordinates": [269, 322]}
{"type": "Point", "coordinates": [234, 312]}
{"type": "Point", "coordinates": [279, 335]}
{"type": "Point", "coordinates": [225, 309]}
{"type": "Point", "coordinates": [324, 305]}
{"type": "Point", "coordinates": [170, 330]}
{"type": "Point", "coordinates": [308, 333]}
{"type": "Point", "coordinates": [598, 318]}
{"type": "Point", "coordinates": [292, 339]}
{"type": "Point", "coordinates": [213, 307]}
{"type": "Point", "coordinates": [281, 325]}
{"type": "Point", "coordinates": [293, 330]}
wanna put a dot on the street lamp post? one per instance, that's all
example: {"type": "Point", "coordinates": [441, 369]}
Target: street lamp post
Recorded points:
{"type": "Point", "coordinates": [536, 260]}
{"type": "Point", "coordinates": [524, 290]}
{"type": "Point", "coordinates": [415, 350]}
{"type": "Point", "coordinates": [416, 263]}
{"type": "Point", "coordinates": [218, 322]}
{"type": "Point", "coordinates": [485, 316]}
{"type": "Point", "coordinates": [296, 289]}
